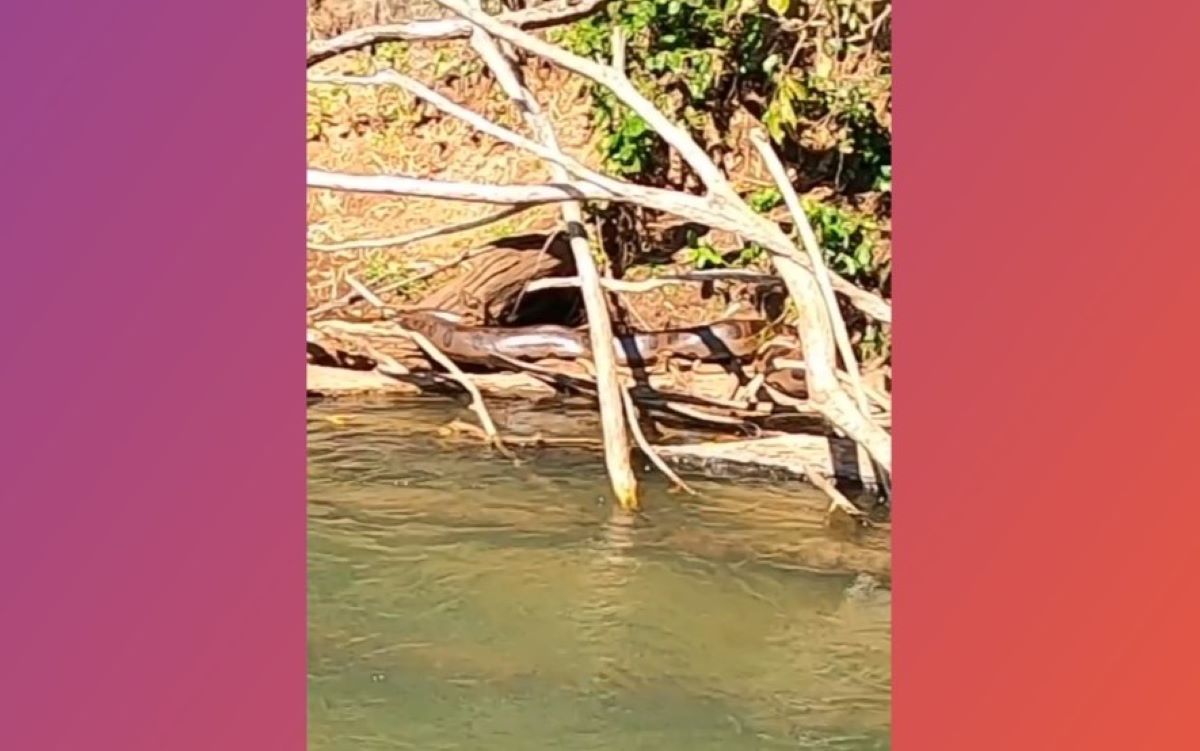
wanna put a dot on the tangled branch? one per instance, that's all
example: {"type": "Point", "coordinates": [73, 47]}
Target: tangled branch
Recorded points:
{"type": "Point", "coordinates": [539, 17]}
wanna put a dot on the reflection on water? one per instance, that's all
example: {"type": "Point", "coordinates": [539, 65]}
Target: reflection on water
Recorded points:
{"type": "Point", "coordinates": [457, 602]}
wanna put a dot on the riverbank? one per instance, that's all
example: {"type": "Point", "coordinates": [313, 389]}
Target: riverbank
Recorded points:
{"type": "Point", "coordinates": [403, 250]}
{"type": "Point", "coordinates": [690, 448]}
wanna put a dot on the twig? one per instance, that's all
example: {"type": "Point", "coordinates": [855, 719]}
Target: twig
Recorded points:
{"type": "Point", "coordinates": [749, 390]}
{"type": "Point", "coordinates": [428, 347]}
{"type": "Point", "coordinates": [721, 208]}
{"type": "Point", "coordinates": [608, 76]}
{"type": "Point", "coordinates": [838, 407]}
{"type": "Point", "coordinates": [445, 29]}
{"type": "Point", "coordinates": [550, 153]}
{"type": "Point", "coordinates": [423, 234]}
{"type": "Point", "coordinates": [590, 186]}
{"type": "Point", "coordinates": [649, 285]}
{"type": "Point", "coordinates": [881, 400]}
{"type": "Point", "coordinates": [352, 296]}
{"type": "Point", "coordinates": [550, 238]}
{"type": "Point", "coordinates": [619, 48]}
{"type": "Point", "coordinates": [385, 363]}
{"type": "Point", "coordinates": [836, 499]}
{"type": "Point", "coordinates": [646, 447]}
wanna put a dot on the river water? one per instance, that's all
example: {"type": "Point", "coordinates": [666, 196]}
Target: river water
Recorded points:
{"type": "Point", "coordinates": [459, 602]}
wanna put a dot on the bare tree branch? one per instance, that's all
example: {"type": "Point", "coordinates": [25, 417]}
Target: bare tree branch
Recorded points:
{"type": "Point", "coordinates": [399, 185]}
{"type": "Point", "coordinates": [428, 347]}
{"type": "Point", "coordinates": [540, 17]}
{"type": "Point", "coordinates": [649, 285]}
{"type": "Point", "coordinates": [836, 499]}
{"type": "Point", "coordinates": [352, 296]}
{"type": "Point", "coordinates": [726, 211]}
{"type": "Point", "coordinates": [647, 448]}
{"type": "Point", "coordinates": [815, 257]}
{"type": "Point", "coordinates": [692, 208]}
{"type": "Point", "coordinates": [423, 234]}
{"type": "Point", "coordinates": [821, 275]}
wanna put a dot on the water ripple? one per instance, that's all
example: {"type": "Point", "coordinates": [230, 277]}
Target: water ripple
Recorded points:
{"type": "Point", "coordinates": [457, 602]}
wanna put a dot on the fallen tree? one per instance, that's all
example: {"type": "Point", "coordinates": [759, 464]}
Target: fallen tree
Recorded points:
{"type": "Point", "coordinates": [836, 394]}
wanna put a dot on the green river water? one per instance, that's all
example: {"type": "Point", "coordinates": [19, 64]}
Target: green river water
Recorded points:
{"type": "Point", "coordinates": [459, 602]}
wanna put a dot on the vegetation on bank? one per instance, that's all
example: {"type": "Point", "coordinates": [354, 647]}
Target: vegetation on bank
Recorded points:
{"type": "Point", "coordinates": [815, 73]}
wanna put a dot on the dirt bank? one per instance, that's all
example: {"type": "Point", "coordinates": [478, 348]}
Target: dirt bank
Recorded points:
{"type": "Point", "coordinates": [373, 130]}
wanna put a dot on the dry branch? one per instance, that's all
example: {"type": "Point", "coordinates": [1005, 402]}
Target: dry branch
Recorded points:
{"type": "Point", "coordinates": [815, 327]}
{"type": "Point", "coordinates": [609, 390]}
{"type": "Point", "coordinates": [836, 499]}
{"type": "Point", "coordinates": [398, 185]}
{"type": "Point", "coordinates": [824, 285]}
{"type": "Point", "coordinates": [816, 258]}
{"type": "Point", "coordinates": [649, 285]}
{"type": "Point", "coordinates": [428, 347]}
{"type": "Point", "coordinates": [646, 447]}
{"type": "Point", "coordinates": [551, 154]}
{"type": "Point", "coordinates": [590, 186]}
{"type": "Point", "coordinates": [444, 29]}
{"type": "Point", "coordinates": [418, 236]}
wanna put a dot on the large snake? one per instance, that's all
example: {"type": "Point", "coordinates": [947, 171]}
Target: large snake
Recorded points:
{"type": "Point", "coordinates": [726, 340]}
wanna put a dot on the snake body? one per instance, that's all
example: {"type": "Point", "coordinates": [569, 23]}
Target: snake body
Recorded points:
{"type": "Point", "coordinates": [721, 341]}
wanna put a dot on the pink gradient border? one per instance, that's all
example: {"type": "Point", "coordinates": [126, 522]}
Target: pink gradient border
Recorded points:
{"type": "Point", "coordinates": [152, 545]}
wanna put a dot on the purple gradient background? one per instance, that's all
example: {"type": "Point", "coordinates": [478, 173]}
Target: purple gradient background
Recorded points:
{"type": "Point", "coordinates": [152, 546]}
